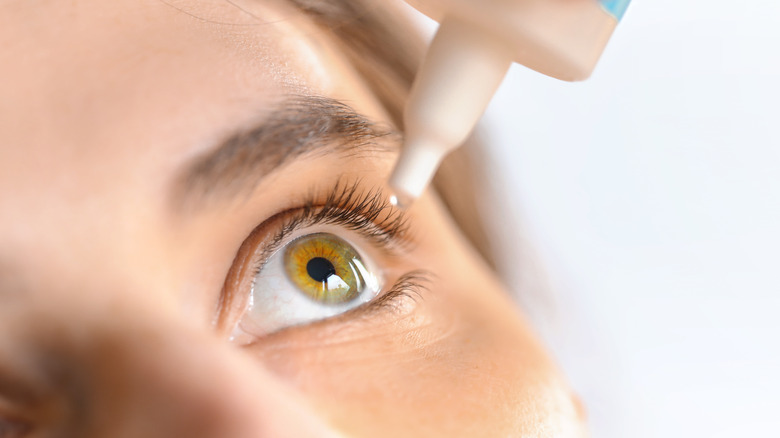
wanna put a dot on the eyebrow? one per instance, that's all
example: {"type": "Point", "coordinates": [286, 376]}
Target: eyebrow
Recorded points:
{"type": "Point", "coordinates": [298, 126]}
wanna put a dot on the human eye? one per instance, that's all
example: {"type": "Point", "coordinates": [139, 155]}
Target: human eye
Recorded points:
{"type": "Point", "coordinates": [319, 261]}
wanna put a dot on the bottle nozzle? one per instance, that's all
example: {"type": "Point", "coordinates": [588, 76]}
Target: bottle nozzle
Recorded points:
{"type": "Point", "coordinates": [414, 171]}
{"type": "Point", "coordinates": [462, 70]}
{"type": "Point", "coordinates": [400, 200]}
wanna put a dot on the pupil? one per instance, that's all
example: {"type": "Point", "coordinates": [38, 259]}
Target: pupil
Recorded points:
{"type": "Point", "coordinates": [320, 269]}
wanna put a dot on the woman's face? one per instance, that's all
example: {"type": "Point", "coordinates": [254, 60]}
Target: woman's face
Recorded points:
{"type": "Point", "coordinates": [195, 242]}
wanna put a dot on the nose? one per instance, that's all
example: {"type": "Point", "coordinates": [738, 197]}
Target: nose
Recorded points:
{"type": "Point", "coordinates": [172, 381]}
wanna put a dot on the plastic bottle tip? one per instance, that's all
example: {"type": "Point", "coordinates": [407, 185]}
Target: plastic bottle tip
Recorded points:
{"type": "Point", "coordinates": [401, 200]}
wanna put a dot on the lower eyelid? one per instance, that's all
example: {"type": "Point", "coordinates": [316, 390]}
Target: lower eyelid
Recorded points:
{"type": "Point", "coordinates": [346, 206]}
{"type": "Point", "coordinates": [409, 287]}
{"type": "Point", "coordinates": [379, 337]}
{"type": "Point", "coordinates": [394, 304]}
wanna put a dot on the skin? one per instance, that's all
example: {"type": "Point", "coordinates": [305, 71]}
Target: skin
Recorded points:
{"type": "Point", "coordinates": [110, 292]}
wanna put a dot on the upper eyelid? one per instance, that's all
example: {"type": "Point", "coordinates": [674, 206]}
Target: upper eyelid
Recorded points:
{"type": "Point", "coordinates": [347, 206]}
{"type": "Point", "coordinates": [362, 208]}
{"type": "Point", "coordinates": [393, 234]}
{"type": "Point", "coordinates": [297, 126]}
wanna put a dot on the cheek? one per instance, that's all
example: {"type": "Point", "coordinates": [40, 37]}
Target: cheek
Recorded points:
{"type": "Point", "coordinates": [461, 363]}
{"type": "Point", "coordinates": [453, 367]}
{"type": "Point", "coordinates": [457, 362]}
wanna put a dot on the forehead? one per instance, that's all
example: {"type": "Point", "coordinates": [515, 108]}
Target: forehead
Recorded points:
{"type": "Point", "coordinates": [103, 102]}
{"type": "Point", "coordinates": [90, 68]}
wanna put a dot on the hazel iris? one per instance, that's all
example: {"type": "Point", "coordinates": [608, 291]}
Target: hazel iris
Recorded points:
{"type": "Point", "coordinates": [324, 268]}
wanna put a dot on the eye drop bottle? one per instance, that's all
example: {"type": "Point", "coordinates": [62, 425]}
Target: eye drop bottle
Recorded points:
{"type": "Point", "coordinates": [472, 50]}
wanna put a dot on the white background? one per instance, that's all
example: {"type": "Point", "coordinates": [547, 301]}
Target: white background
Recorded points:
{"type": "Point", "coordinates": [651, 195]}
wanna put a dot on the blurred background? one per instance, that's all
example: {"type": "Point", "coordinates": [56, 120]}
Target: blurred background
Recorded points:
{"type": "Point", "coordinates": [648, 199]}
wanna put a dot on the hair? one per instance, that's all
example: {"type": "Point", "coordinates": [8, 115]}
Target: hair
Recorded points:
{"type": "Point", "coordinates": [385, 48]}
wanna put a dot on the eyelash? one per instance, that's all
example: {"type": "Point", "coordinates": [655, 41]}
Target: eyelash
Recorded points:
{"type": "Point", "coordinates": [366, 212]}
{"type": "Point", "coordinates": [410, 285]}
